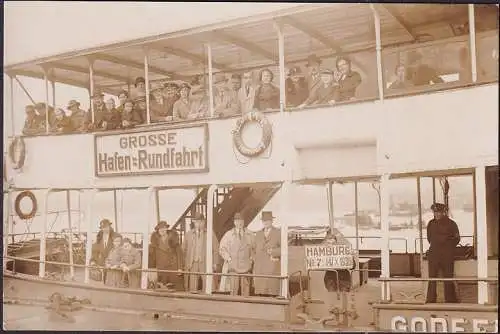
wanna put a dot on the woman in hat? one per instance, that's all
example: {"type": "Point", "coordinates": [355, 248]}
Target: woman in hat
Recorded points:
{"type": "Point", "coordinates": [62, 123]}
{"type": "Point", "coordinates": [326, 92]}
{"type": "Point", "coordinates": [103, 244]}
{"type": "Point", "coordinates": [130, 117]}
{"type": "Point", "coordinates": [157, 105]}
{"type": "Point", "coordinates": [184, 107]}
{"type": "Point", "coordinates": [165, 253]}
{"type": "Point", "coordinates": [41, 110]}
{"type": "Point", "coordinates": [79, 117]}
{"type": "Point", "coordinates": [112, 263]}
{"type": "Point", "coordinates": [130, 261]}
{"type": "Point", "coordinates": [267, 95]}
{"type": "Point", "coordinates": [296, 87]}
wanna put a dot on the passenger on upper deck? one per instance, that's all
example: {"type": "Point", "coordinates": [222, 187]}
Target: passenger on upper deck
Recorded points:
{"type": "Point", "coordinates": [222, 95]}
{"type": "Point", "coordinates": [200, 99]}
{"type": "Point", "coordinates": [62, 123]}
{"type": "Point", "coordinates": [171, 94]}
{"type": "Point", "coordinates": [140, 88]}
{"type": "Point", "coordinates": [130, 117]}
{"type": "Point", "coordinates": [401, 82]}
{"type": "Point", "coordinates": [157, 105]}
{"type": "Point", "coordinates": [32, 124]}
{"type": "Point", "coordinates": [41, 110]}
{"type": "Point", "coordinates": [79, 117]}
{"type": "Point", "coordinates": [347, 79]}
{"type": "Point", "coordinates": [100, 111]}
{"type": "Point", "coordinates": [247, 93]}
{"type": "Point", "coordinates": [113, 117]}
{"type": "Point", "coordinates": [140, 108]}
{"type": "Point", "coordinates": [419, 73]}
{"type": "Point", "coordinates": [267, 95]}
{"type": "Point", "coordinates": [233, 106]}
{"type": "Point", "coordinates": [184, 107]}
{"type": "Point", "coordinates": [122, 97]}
{"type": "Point", "coordinates": [326, 92]}
{"type": "Point", "coordinates": [296, 87]}
{"type": "Point", "coordinates": [313, 79]}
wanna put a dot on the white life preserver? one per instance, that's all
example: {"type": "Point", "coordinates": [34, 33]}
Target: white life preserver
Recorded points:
{"type": "Point", "coordinates": [267, 131]}
{"type": "Point", "coordinates": [17, 152]}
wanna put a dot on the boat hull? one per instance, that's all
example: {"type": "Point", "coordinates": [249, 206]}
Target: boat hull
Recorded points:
{"type": "Point", "coordinates": [274, 311]}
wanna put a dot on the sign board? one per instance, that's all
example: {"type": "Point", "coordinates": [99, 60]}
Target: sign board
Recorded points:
{"type": "Point", "coordinates": [172, 150]}
{"type": "Point", "coordinates": [329, 256]}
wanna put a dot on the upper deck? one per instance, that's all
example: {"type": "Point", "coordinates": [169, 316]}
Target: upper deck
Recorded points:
{"type": "Point", "coordinates": [453, 118]}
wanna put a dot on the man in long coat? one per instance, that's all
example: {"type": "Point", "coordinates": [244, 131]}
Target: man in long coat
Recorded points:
{"type": "Point", "coordinates": [103, 244]}
{"type": "Point", "coordinates": [195, 247]}
{"type": "Point", "coordinates": [443, 236]}
{"type": "Point", "coordinates": [267, 257]}
{"type": "Point", "coordinates": [237, 248]}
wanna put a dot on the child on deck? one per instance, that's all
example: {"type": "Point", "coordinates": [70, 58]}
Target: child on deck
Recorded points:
{"type": "Point", "coordinates": [130, 260]}
{"type": "Point", "coordinates": [112, 263]}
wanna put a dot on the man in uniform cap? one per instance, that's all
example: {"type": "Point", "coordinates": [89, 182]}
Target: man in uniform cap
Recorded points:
{"type": "Point", "coordinates": [443, 236]}
{"type": "Point", "coordinates": [195, 248]}
{"type": "Point", "coordinates": [267, 257]}
{"type": "Point", "coordinates": [237, 248]}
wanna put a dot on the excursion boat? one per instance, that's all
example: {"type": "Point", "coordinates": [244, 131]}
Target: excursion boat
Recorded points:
{"type": "Point", "coordinates": [392, 126]}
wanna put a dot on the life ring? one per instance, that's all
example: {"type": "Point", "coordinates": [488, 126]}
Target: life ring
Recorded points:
{"type": "Point", "coordinates": [267, 131]}
{"type": "Point", "coordinates": [17, 206]}
{"type": "Point", "coordinates": [17, 159]}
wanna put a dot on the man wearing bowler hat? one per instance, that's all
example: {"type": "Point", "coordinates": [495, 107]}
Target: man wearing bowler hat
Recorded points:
{"type": "Point", "coordinates": [267, 257]}
{"type": "Point", "coordinates": [237, 248]}
{"type": "Point", "coordinates": [313, 64]}
{"type": "Point", "coordinates": [443, 236]}
{"type": "Point", "coordinates": [100, 111]}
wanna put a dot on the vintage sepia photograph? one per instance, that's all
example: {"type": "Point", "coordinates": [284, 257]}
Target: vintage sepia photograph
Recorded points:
{"type": "Point", "coordinates": [219, 166]}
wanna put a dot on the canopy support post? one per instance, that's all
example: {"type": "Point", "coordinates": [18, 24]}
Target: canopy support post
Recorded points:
{"type": "Point", "coordinates": [71, 264]}
{"type": "Point", "coordinates": [157, 200]}
{"type": "Point", "coordinates": [12, 107]}
{"type": "Point", "coordinates": [472, 42]}
{"type": "Point", "coordinates": [145, 238]}
{"type": "Point", "coordinates": [420, 224]}
{"type": "Point", "coordinates": [433, 189]}
{"type": "Point", "coordinates": [210, 233]}
{"type": "Point", "coordinates": [47, 118]}
{"type": "Point", "coordinates": [380, 78]}
{"type": "Point", "coordinates": [384, 229]}
{"type": "Point", "coordinates": [208, 48]}
{"type": "Point", "coordinates": [43, 236]}
{"type": "Point", "coordinates": [356, 215]}
{"type": "Point", "coordinates": [329, 194]}
{"type": "Point", "coordinates": [115, 209]}
{"type": "Point", "coordinates": [53, 85]}
{"type": "Point", "coordinates": [92, 88]}
{"type": "Point", "coordinates": [88, 241]}
{"type": "Point", "coordinates": [146, 78]}
{"type": "Point", "coordinates": [482, 234]}
{"type": "Point", "coordinates": [281, 54]}
{"type": "Point", "coordinates": [7, 207]}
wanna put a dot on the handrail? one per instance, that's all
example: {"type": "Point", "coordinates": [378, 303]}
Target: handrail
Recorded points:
{"type": "Point", "coordinates": [417, 239]}
{"type": "Point", "coordinates": [281, 277]}
{"type": "Point", "coordinates": [438, 279]}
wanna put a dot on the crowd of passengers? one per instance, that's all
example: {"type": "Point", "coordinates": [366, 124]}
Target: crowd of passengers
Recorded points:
{"type": "Point", "coordinates": [234, 96]}
{"type": "Point", "coordinates": [239, 251]}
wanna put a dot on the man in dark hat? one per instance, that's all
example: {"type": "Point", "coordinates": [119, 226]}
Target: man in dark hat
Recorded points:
{"type": "Point", "coordinates": [100, 111]}
{"type": "Point", "coordinates": [195, 249]}
{"type": "Point", "coordinates": [139, 88]}
{"type": "Point", "coordinates": [79, 118]}
{"type": "Point", "coordinates": [297, 90]}
{"type": "Point", "coordinates": [313, 64]}
{"type": "Point", "coordinates": [158, 107]}
{"type": "Point", "coordinates": [237, 248]}
{"type": "Point", "coordinates": [443, 236]}
{"type": "Point", "coordinates": [267, 257]}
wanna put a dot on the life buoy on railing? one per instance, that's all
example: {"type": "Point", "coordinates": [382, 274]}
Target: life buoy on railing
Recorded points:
{"type": "Point", "coordinates": [17, 152]}
{"type": "Point", "coordinates": [267, 131]}
{"type": "Point", "coordinates": [17, 205]}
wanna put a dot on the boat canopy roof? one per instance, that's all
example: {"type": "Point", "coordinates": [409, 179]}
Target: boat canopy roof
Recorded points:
{"type": "Point", "coordinates": [242, 44]}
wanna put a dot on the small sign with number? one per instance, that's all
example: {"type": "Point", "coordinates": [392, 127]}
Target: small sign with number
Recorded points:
{"type": "Point", "coordinates": [329, 256]}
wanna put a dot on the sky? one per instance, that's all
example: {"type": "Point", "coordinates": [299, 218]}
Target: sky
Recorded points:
{"type": "Point", "coordinates": [38, 29]}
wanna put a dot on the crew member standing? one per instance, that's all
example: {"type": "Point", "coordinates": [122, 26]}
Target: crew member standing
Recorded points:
{"type": "Point", "coordinates": [443, 236]}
